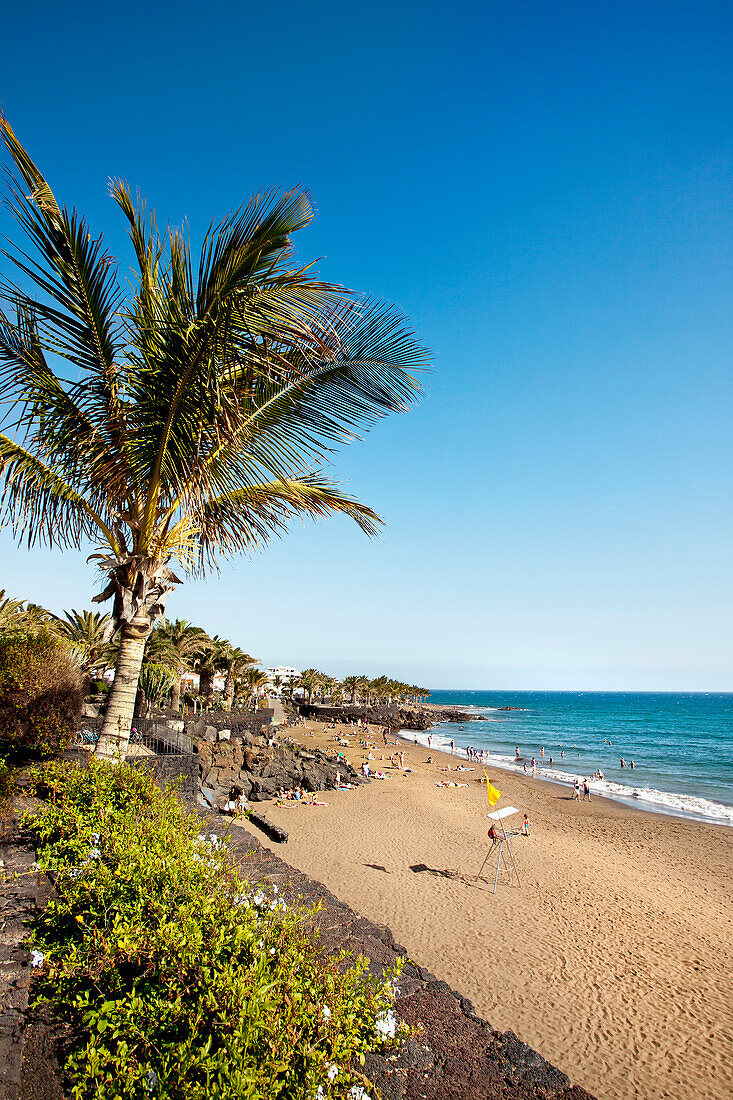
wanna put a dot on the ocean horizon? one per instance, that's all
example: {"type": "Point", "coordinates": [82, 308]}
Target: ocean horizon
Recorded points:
{"type": "Point", "coordinates": [681, 743]}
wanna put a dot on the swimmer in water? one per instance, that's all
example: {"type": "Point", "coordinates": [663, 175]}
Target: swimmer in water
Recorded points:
{"type": "Point", "coordinates": [623, 762]}
{"type": "Point", "coordinates": [632, 764]}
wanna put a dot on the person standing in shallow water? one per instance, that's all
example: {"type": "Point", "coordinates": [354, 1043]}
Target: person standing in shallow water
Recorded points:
{"type": "Point", "coordinates": [586, 790]}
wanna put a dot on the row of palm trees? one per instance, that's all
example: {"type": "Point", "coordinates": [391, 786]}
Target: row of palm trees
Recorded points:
{"type": "Point", "coordinates": [174, 650]}
{"type": "Point", "coordinates": [357, 689]}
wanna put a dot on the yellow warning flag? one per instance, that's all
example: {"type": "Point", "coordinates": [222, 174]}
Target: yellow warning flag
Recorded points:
{"type": "Point", "coordinates": [492, 793]}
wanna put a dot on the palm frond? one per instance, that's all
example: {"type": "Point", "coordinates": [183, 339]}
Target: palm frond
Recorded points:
{"type": "Point", "coordinates": [247, 518]}
{"type": "Point", "coordinates": [38, 502]}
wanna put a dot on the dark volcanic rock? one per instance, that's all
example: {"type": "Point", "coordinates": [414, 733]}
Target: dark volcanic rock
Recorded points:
{"type": "Point", "coordinates": [259, 769]}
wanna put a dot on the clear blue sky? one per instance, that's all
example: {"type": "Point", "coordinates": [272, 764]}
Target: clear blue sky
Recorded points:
{"type": "Point", "coordinates": [545, 189]}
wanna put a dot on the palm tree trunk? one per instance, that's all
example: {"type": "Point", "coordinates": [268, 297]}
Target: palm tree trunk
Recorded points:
{"type": "Point", "coordinates": [115, 735]}
{"type": "Point", "coordinates": [206, 687]}
{"type": "Point", "coordinates": [229, 692]}
{"type": "Point", "coordinates": [176, 696]}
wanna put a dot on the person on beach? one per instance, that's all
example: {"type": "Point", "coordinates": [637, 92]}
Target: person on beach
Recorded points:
{"type": "Point", "coordinates": [365, 769]}
{"type": "Point", "coordinates": [632, 764]}
{"type": "Point", "coordinates": [586, 790]}
{"type": "Point", "coordinates": [384, 737]}
{"type": "Point", "coordinates": [516, 753]}
{"type": "Point", "coordinates": [576, 790]}
{"type": "Point", "coordinates": [542, 751]}
{"type": "Point", "coordinates": [430, 740]}
{"type": "Point", "coordinates": [526, 825]}
{"type": "Point", "coordinates": [452, 747]}
{"type": "Point", "coordinates": [623, 762]}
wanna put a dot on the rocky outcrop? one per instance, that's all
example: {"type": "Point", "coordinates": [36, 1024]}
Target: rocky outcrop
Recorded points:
{"type": "Point", "coordinates": [402, 717]}
{"type": "Point", "coordinates": [257, 767]}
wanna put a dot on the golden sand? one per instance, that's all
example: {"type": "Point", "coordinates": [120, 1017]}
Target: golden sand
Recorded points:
{"type": "Point", "coordinates": [614, 958]}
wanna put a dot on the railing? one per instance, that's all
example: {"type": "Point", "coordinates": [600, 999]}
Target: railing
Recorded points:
{"type": "Point", "coordinates": [153, 734]}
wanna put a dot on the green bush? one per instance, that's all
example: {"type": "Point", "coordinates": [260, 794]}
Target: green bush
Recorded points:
{"type": "Point", "coordinates": [7, 789]}
{"type": "Point", "coordinates": [41, 692]}
{"type": "Point", "coordinates": [180, 979]}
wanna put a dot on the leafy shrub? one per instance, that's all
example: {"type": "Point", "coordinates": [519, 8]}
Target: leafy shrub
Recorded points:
{"type": "Point", "coordinates": [7, 789]}
{"type": "Point", "coordinates": [183, 981]}
{"type": "Point", "coordinates": [41, 692]}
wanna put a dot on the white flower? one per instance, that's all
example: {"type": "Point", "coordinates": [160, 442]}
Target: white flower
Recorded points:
{"type": "Point", "coordinates": [241, 899]}
{"type": "Point", "coordinates": [272, 950]}
{"type": "Point", "coordinates": [259, 898]}
{"type": "Point", "coordinates": [37, 958]}
{"type": "Point", "coordinates": [152, 1080]}
{"type": "Point", "coordinates": [386, 1025]}
{"type": "Point", "coordinates": [356, 1092]}
{"type": "Point", "coordinates": [326, 1012]}
{"type": "Point", "coordinates": [275, 890]}
{"type": "Point", "coordinates": [320, 1094]}
{"type": "Point", "coordinates": [94, 853]}
{"type": "Point", "coordinates": [95, 838]}
{"type": "Point", "coordinates": [333, 1072]}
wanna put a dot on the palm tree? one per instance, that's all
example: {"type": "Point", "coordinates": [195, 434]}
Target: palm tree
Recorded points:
{"type": "Point", "coordinates": [13, 615]}
{"type": "Point", "coordinates": [234, 662]}
{"type": "Point", "coordinates": [362, 686]}
{"type": "Point", "coordinates": [185, 642]}
{"type": "Point", "coordinates": [210, 660]}
{"type": "Point", "coordinates": [310, 679]}
{"type": "Point", "coordinates": [87, 633]}
{"type": "Point", "coordinates": [254, 680]}
{"type": "Point", "coordinates": [197, 413]}
{"type": "Point", "coordinates": [351, 684]}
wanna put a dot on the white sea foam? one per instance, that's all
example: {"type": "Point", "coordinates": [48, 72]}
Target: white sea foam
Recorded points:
{"type": "Point", "coordinates": [643, 798]}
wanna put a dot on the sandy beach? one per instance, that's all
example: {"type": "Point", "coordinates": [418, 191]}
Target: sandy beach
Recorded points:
{"type": "Point", "coordinates": [614, 958]}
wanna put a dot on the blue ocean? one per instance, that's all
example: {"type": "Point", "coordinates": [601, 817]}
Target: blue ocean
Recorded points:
{"type": "Point", "coordinates": [681, 744]}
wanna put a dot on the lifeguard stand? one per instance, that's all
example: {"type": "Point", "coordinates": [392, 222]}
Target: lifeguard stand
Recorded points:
{"type": "Point", "coordinates": [501, 849]}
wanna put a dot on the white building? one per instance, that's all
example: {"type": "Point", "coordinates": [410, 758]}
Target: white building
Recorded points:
{"type": "Point", "coordinates": [283, 672]}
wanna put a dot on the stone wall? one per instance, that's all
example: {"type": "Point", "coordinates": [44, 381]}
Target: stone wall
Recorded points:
{"type": "Point", "coordinates": [183, 768]}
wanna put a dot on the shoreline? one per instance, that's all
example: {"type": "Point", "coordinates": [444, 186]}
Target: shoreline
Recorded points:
{"type": "Point", "coordinates": [612, 959]}
{"type": "Point", "coordinates": [634, 802]}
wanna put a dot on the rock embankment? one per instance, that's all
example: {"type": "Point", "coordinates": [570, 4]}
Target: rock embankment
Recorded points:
{"type": "Point", "coordinates": [420, 716]}
{"type": "Point", "coordinates": [258, 768]}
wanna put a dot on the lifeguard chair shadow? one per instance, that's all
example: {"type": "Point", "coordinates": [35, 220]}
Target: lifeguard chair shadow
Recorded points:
{"type": "Point", "coordinates": [500, 850]}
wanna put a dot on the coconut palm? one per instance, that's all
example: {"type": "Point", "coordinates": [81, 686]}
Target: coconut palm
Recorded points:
{"type": "Point", "coordinates": [193, 417]}
{"type": "Point", "coordinates": [87, 633]}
